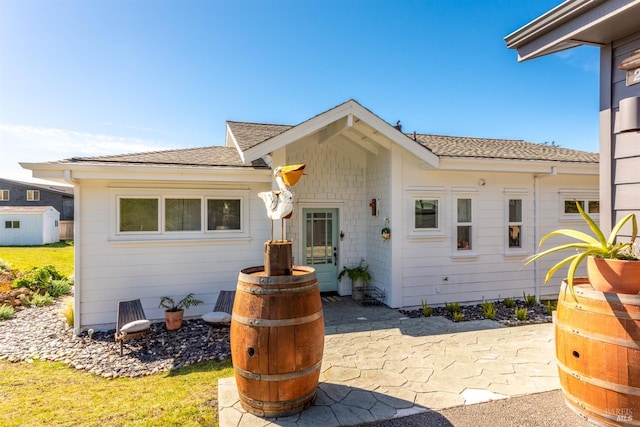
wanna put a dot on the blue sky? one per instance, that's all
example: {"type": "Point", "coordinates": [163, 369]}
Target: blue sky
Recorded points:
{"type": "Point", "coordinates": [102, 77]}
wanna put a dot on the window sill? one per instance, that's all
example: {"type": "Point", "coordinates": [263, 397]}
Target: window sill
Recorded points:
{"type": "Point", "coordinates": [180, 242]}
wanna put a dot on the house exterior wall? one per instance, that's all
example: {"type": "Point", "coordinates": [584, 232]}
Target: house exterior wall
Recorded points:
{"type": "Point", "coordinates": [624, 147]}
{"type": "Point", "coordinates": [18, 197]}
{"type": "Point", "coordinates": [110, 269]}
{"type": "Point", "coordinates": [432, 268]}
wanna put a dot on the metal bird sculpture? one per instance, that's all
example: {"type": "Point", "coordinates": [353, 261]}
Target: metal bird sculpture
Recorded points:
{"type": "Point", "coordinates": [279, 203]}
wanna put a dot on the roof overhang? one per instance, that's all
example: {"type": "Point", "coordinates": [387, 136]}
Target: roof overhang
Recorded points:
{"type": "Point", "coordinates": [350, 120]}
{"type": "Point", "coordinates": [69, 172]}
{"type": "Point", "coordinates": [537, 167]}
{"type": "Point", "coordinates": [576, 23]}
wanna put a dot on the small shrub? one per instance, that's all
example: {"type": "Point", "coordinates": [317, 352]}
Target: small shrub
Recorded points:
{"type": "Point", "coordinates": [458, 316]}
{"type": "Point", "coordinates": [551, 305]}
{"type": "Point", "coordinates": [509, 302]}
{"type": "Point", "coordinates": [6, 312]}
{"type": "Point", "coordinates": [452, 307]}
{"type": "Point", "coordinates": [40, 300]}
{"type": "Point", "coordinates": [68, 312]}
{"type": "Point", "coordinates": [24, 301]}
{"type": "Point", "coordinates": [521, 313]}
{"type": "Point", "coordinates": [489, 310]}
{"type": "Point", "coordinates": [59, 288]}
{"type": "Point", "coordinates": [426, 310]}
{"type": "Point", "coordinates": [530, 300]}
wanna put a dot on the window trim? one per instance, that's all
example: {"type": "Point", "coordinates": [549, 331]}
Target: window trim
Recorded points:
{"type": "Point", "coordinates": [585, 197]}
{"type": "Point", "coordinates": [523, 220]}
{"type": "Point", "coordinates": [2, 198]}
{"type": "Point", "coordinates": [426, 194]}
{"type": "Point", "coordinates": [33, 195]}
{"type": "Point", "coordinates": [473, 251]}
{"type": "Point", "coordinates": [161, 195]}
{"type": "Point", "coordinates": [13, 224]}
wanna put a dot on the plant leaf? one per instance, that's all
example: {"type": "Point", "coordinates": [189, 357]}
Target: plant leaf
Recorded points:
{"type": "Point", "coordinates": [620, 224]}
{"type": "Point", "coordinates": [592, 225]}
{"type": "Point", "coordinates": [575, 234]}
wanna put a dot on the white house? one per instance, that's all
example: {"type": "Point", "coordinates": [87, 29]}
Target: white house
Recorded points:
{"type": "Point", "coordinates": [463, 212]}
{"type": "Point", "coordinates": [29, 225]}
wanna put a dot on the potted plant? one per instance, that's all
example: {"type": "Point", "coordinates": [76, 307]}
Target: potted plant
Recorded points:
{"type": "Point", "coordinates": [359, 276]}
{"type": "Point", "coordinates": [611, 266]}
{"type": "Point", "coordinates": [174, 312]}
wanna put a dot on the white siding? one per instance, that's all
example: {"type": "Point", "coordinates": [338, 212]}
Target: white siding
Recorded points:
{"type": "Point", "coordinates": [38, 227]}
{"type": "Point", "coordinates": [110, 270]}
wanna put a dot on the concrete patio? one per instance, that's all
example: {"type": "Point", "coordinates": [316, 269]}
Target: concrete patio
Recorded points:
{"type": "Point", "coordinates": [379, 364]}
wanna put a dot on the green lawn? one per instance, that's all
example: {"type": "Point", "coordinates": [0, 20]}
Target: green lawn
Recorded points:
{"type": "Point", "coordinates": [22, 258]}
{"type": "Point", "coordinates": [47, 393]}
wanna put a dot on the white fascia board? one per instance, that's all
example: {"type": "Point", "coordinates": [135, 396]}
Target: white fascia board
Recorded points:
{"type": "Point", "coordinates": [517, 166]}
{"type": "Point", "coordinates": [318, 122]}
{"type": "Point", "coordinates": [61, 172]}
{"type": "Point", "coordinates": [560, 28]}
{"type": "Point", "coordinates": [230, 140]}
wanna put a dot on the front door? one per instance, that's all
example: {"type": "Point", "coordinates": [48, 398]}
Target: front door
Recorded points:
{"type": "Point", "coordinates": [320, 229]}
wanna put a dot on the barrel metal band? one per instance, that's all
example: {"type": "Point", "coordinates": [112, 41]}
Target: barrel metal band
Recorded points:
{"type": "Point", "coordinates": [252, 321]}
{"type": "Point", "coordinates": [598, 382]}
{"type": "Point", "coordinates": [268, 405]}
{"type": "Point", "coordinates": [258, 290]}
{"type": "Point", "coordinates": [620, 342]}
{"type": "Point", "coordinates": [579, 406]}
{"type": "Point", "coordinates": [277, 377]}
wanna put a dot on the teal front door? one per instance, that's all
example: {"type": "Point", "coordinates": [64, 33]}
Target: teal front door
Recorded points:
{"type": "Point", "coordinates": [320, 230]}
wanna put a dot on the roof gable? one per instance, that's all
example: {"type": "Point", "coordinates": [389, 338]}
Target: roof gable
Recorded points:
{"type": "Point", "coordinates": [332, 121]}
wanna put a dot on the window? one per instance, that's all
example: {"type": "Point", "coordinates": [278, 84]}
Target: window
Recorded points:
{"type": "Point", "coordinates": [4, 195]}
{"type": "Point", "coordinates": [182, 215]}
{"type": "Point", "coordinates": [464, 224]}
{"type": "Point", "coordinates": [12, 224]}
{"type": "Point", "coordinates": [514, 227]}
{"type": "Point", "coordinates": [590, 206]}
{"type": "Point", "coordinates": [426, 214]}
{"type": "Point", "coordinates": [33, 195]}
{"type": "Point", "coordinates": [223, 214]}
{"type": "Point", "coordinates": [138, 215]}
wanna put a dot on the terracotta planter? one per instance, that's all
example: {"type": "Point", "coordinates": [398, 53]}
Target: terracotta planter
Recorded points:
{"type": "Point", "coordinates": [614, 275]}
{"type": "Point", "coordinates": [173, 319]}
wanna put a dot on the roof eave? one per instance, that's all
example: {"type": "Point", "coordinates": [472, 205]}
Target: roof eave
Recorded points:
{"type": "Point", "coordinates": [67, 172]}
{"type": "Point", "coordinates": [517, 166]}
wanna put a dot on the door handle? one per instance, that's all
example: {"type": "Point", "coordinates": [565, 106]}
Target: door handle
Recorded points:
{"type": "Point", "coordinates": [335, 255]}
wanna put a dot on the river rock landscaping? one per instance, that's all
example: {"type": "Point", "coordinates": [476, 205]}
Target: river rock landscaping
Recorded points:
{"type": "Point", "coordinates": [536, 313]}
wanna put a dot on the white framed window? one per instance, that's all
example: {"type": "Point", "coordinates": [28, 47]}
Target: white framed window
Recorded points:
{"type": "Point", "coordinates": [425, 214]}
{"type": "Point", "coordinates": [515, 223]}
{"type": "Point", "coordinates": [588, 200]}
{"type": "Point", "coordinates": [4, 195]}
{"type": "Point", "coordinates": [33, 195]}
{"type": "Point", "coordinates": [138, 214]}
{"type": "Point", "coordinates": [12, 224]}
{"type": "Point", "coordinates": [190, 214]}
{"type": "Point", "coordinates": [464, 230]}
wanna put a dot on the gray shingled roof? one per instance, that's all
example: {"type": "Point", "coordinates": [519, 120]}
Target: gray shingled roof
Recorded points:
{"type": "Point", "coordinates": [512, 149]}
{"type": "Point", "coordinates": [249, 134]}
{"type": "Point", "coordinates": [203, 156]}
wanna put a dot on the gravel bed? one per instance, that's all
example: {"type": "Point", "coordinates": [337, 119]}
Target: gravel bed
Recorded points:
{"type": "Point", "coordinates": [41, 333]}
{"type": "Point", "coordinates": [537, 313]}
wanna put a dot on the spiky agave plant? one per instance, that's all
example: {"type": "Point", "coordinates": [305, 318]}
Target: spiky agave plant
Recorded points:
{"type": "Point", "coordinates": [598, 246]}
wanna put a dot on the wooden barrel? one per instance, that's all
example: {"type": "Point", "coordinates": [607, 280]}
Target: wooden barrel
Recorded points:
{"type": "Point", "coordinates": [598, 353]}
{"type": "Point", "coordinates": [277, 340]}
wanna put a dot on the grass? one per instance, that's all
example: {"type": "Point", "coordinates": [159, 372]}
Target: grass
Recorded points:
{"type": "Point", "coordinates": [50, 393]}
{"type": "Point", "coordinates": [22, 258]}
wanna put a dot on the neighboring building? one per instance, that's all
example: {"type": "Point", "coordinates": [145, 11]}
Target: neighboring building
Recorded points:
{"type": "Point", "coordinates": [29, 194]}
{"type": "Point", "coordinates": [614, 26]}
{"type": "Point", "coordinates": [463, 212]}
{"type": "Point", "coordinates": [29, 225]}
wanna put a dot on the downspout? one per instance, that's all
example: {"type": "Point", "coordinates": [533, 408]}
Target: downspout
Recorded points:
{"type": "Point", "coordinates": [77, 281]}
{"type": "Point", "coordinates": [536, 226]}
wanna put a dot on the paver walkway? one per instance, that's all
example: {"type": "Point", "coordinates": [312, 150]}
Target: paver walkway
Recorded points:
{"type": "Point", "coordinates": [379, 364]}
